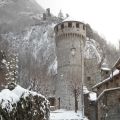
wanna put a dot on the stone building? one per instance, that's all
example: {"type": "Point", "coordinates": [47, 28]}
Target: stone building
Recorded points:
{"type": "Point", "coordinates": [70, 36]}
{"type": "Point", "coordinates": [108, 95]}
{"type": "Point", "coordinates": [47, 14]}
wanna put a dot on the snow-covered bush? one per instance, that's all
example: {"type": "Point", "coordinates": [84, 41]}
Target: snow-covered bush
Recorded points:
{"type": "Point", "coordinates": [22, 104]}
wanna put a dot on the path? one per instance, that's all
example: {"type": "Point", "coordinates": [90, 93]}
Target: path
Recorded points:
{"type": "Point", "coordinates": [65, 115]}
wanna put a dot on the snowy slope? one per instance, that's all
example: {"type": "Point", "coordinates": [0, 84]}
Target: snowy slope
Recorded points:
{"type": "Point", "coordinates": [35, 47]}
{"type": "Point", "coordinates": [93, 50]}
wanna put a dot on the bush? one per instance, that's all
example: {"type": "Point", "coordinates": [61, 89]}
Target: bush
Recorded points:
{"type": "Point", "coordinates": [24, 105]}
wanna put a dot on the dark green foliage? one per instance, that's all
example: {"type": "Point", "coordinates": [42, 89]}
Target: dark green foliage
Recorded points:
{"type": "Point", "coordinates": [28, 108]}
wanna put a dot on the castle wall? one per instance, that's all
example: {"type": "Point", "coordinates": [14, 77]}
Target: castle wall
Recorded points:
{"type": "Point", "coordinates": [69, 50]}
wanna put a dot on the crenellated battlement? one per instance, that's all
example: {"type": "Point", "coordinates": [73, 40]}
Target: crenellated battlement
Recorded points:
{"type": "Point", "coordinates": [70, 29]}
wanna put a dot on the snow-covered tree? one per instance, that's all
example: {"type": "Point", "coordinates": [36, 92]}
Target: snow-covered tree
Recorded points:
{"type": "Point", "coordinates": [11, 65]}
{"type": "Point", "coordinates": [75, 89]}
{"type": "Point", "coordinates": [60, 15]}
{"type": "Point", "coordinates": [2, 70]}
{"type": "Point", "coordinates": [22, 104]}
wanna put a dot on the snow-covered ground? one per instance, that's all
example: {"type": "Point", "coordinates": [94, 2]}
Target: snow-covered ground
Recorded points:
{"type": "Point", "coordinates": [66, 115]}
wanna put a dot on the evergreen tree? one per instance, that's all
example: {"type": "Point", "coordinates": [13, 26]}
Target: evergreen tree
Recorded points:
{"type": "Point", "coordinates": [60, 15]}
{"type": "Point", "coordinates": [11, 69]}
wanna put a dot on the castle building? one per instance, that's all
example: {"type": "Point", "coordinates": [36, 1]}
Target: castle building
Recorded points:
{"type": "Point", "coordinates": [70, 36]}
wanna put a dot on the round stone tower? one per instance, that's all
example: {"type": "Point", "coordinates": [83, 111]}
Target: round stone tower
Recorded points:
{"type": "Point", "coordinates": [70, 38]}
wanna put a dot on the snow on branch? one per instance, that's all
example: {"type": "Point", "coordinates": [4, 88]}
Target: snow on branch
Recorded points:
{"type": "Point", "coordinates": [23, 104]}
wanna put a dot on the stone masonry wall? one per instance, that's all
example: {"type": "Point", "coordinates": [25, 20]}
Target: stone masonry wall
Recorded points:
{"type": "Point", "coordinates": [69, 45]}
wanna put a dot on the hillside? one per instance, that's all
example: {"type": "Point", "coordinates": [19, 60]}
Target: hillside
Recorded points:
{"type": "Point", "coordinates": [108, 49]}
{"type": "Point", "coordinates": [35, 47]}
{"type": "Point", "coordinates": [34, 44]}
{"type": "Point", "coordinates": [17, 14]}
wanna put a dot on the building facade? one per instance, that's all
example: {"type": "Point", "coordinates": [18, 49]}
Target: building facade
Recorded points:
{"type": "Point", "coordinates": [108, 92]}
{"type": "Point", "coordinates": [70, 39]}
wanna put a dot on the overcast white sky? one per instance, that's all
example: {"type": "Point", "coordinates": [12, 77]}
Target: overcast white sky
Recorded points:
{"type": "Point", "coordinates": [102, 15]}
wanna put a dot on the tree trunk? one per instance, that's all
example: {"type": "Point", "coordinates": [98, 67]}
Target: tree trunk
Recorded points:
{"type": "Point", "coordinates": [76, 103]}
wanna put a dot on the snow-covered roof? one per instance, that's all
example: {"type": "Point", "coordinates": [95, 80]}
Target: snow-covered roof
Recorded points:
{"type": "Point", "coordinates": [117, 62]}
{"type": "Point", "coordinates": [105, 69]}
{"type": "Point", "coordinates": [116, 72]}
{"type": "Point", "coordinates": [107, 90]}
{"type": "Point", "coordinates": [85, 90]}
{"type": "Point", "coordinates": [92, 96]}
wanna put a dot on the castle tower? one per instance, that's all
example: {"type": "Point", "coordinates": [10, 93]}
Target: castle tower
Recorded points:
{"type": "Point", "coordinates": [70, 40]}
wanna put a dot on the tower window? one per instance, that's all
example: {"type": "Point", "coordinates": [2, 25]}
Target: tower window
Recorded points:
{"type": "Point", "coordinates": [62, 26]}
{"type": "Point", "coordinates": [77, 25]}
{"type": "Point", "coordinates": [88, 78]}
{"type": "Point", "coordinates": [69, 24]}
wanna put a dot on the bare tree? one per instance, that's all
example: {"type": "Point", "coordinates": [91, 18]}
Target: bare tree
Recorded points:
{"type": "Point", "coordinates": [75, 89]}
